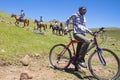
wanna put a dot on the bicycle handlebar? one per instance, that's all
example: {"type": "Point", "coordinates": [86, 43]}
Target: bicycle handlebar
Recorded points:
{"type": "Point", "coordinates": [96, 32]}
{"type": "Point", "coordinates": [101, 29]}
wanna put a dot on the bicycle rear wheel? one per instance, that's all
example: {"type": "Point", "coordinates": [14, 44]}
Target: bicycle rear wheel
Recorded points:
{"type": "Point", "coordinates": [110, 71]}
{"type": "Point", "coordinates": [60, 56]}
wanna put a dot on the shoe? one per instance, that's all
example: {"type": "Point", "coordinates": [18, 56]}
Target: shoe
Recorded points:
{"type": "Point", "coordinates": [77, 68]}
{"type": "Point", "coordinates": [82, 64]}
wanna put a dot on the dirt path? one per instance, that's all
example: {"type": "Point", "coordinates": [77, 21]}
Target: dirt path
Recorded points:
{"type": "Point", "coordinates": [39, 69]}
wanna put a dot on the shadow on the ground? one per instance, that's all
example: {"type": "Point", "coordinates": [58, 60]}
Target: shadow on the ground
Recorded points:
{"type": "Point", "coordinates": [81, 75]}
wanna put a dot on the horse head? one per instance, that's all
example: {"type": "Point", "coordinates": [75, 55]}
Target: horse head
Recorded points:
{"type": "Point", "coordinates": [12, 15]}
{"type": "Point", "coordinates": [35, 21]}
{"type": "Point", "coordinates": [15, 16]}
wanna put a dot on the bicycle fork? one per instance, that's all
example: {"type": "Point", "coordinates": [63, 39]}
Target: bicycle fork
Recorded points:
{"type": "Point", "coordinates": [101, 58]}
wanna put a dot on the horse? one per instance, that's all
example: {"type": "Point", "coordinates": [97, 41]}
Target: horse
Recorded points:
{"type": "Point", "coordinates": [54, 28]}
{"type": "Point", "coordinates": [40, 25]}
{"type": "Point", "coordinates": [61, 29]}
{"type": "Point", "coordinates": [58, 29]}
{"type": "Point", "coordinates": [25, 20]}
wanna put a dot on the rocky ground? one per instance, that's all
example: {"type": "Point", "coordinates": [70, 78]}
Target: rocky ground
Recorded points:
{"type": "Point", "coordinates": [39, 69]}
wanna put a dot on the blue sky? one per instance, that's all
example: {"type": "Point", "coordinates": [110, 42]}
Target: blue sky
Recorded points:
{"type": "Point", "coordinates": [100, 13]}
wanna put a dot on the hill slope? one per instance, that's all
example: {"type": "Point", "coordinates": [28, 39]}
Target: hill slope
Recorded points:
{"type": "Point", "coordinates": [15, 42]}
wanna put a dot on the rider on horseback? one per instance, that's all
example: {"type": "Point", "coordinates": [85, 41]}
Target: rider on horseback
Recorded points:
{"type": "Point", "coordinates": [41, 20]}
{"type": "Point", "coordinates": [55, 25]}
{"type": "Point", "coordinates": [22, 15]}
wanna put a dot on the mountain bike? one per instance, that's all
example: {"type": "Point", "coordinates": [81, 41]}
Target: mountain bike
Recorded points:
{"type": "Point", "coordinates": [103, 63]}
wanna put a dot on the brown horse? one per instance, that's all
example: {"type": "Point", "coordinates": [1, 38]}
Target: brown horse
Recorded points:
{"type": "Point", "coordinates": [40, 25]}
{"type": "Point", "coordinates": [25, 21]}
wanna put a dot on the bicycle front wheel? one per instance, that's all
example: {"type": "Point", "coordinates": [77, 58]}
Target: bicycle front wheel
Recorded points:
{"type": "Point", "coordinates": [110, 71]}
{"type": "Point", "coordinates": [60, 56]}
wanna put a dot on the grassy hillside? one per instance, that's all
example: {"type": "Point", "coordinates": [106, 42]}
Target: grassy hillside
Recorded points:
{"type": "Point", "coordinates": [114, 33]}
{"type": "Point", "coordinates": [16, 41]}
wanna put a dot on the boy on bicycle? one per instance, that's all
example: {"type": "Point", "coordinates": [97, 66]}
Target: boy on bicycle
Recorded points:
{"type": "Point", "coordinates": [78, 21]}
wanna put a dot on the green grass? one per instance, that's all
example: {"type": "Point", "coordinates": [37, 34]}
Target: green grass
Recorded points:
{"type": "Point", "coordinates": [16, 41]}
{"type": "Point", "coordinates": [114, 33]}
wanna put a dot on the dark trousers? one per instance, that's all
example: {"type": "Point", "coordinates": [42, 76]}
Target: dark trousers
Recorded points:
{"type": "Point", "coordinates": [21, 18]}
{"type": "Point", "coordinates": [81, 46]}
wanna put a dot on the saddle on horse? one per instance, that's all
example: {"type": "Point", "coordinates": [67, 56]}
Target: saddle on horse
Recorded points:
{"type": "Point", "coordinates": [21, 19]}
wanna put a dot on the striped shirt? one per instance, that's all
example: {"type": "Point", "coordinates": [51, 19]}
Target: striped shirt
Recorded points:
{"type": "Point", "coordinates": [78, 22]}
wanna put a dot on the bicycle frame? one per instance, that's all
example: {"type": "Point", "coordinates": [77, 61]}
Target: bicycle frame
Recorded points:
{"type": "Point", "coordinates": [94, 44]}
{"type": "Point", "coordinates": [72, 41]}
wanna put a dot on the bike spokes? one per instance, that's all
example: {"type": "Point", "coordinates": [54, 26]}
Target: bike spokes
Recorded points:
{"type": "Point", "coordinates": [60, 56]}
{"type": "Point", "coordinates": [105, 65]}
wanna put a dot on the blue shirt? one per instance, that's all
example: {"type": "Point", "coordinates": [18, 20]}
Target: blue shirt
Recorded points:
{"type": "Point", "coordinates": [22, 14]}
{"type": "Point", "coordinates": [41, 20]}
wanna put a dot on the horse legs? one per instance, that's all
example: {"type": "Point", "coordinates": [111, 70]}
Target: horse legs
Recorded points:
{"type": "Point", "coordinates": [24, 24]}
{"type": "Point", "coordinates": [40, 28]}
{"type": "Point", "coordinates": [28, 23]}
{"type": "Point", "coordinates": [60, 32]}
{"type": "Point", "coordinates": [57, 31]}
{"type": "Point", "coordinates": [53, 31]}
{"type": "Point", "coordinates": [17, 23]}
{"type": "Point", "coordinates": [44, 28]}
